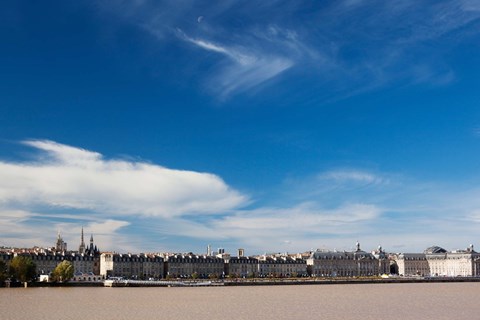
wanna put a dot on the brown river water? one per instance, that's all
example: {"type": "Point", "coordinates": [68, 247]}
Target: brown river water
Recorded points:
{"type": "Point", "coordinates": [346, 301]}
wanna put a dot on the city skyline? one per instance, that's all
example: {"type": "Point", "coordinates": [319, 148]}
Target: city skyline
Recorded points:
{"type": "Point", "coordinates": [280, 127]}
{"type": "Point", "coordinates": [92, 249]}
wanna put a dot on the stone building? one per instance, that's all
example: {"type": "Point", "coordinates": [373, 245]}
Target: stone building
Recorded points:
{"type": "Point", "coordinates": [281, 266]}
{"type": "Point", "coordinates": [242, 267]}
{"type": "Point", "coordinates": [342, 263]}
{"type": "Point", "coordinates": [383, 260]}
{"type": "Point", "coordinates": [188, 265]}
{"type": "Point", "coordinates": [47, 261]}
{"type": "Point", "coordinates": [137, 266]}
{"type": "Point", "coordinates": [85, 262]}
{"type": "Point", "coordinates": [436, 261]}
{"type": "Point", "coordinates": [411, 264]}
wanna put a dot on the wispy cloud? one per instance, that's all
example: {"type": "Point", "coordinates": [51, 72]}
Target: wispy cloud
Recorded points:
{"type": "Point", "coordinates": [248, 57]}
{"type": "Point", "coordinates": [229, 52]}
{"type": "Point", "coordinates": [414, 213]}
{"type": "Point", "coordinates": [336, 186]}
{"type": "Point", "coordinates": [271, 228]}
{"type": "Point", "coordinates": [248, 66]}
{"type": "Point", "coordinates": [353, 176]}
{"type": "Point", "coordinates": [343, 47]}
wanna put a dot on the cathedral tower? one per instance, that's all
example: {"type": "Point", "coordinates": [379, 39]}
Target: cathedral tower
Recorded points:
{"type": "Point", "coordinates": [81, 249]}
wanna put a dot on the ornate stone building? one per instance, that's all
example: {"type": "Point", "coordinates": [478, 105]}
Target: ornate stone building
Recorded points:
{"type": "Point", "coordinates": [407, 264]}
{"type": "Point", "coordinates": [383, 260]}
{"type": "Point", "coordinates": [436, 261]}
{"type": "Point", "coordinates": [342, 263]}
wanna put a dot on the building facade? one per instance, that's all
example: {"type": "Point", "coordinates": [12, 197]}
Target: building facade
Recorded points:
{"type": "Point", "coordinates": [281, 266]}
{"type": "Point", "coordinates": [436, 261]}
{"type": "Point", "coordinates": [189, 265]}
{"type": "Point", "coordinates": [242, 267]}
{"type": "Point", "coordinates": [343, 264]}
{"type": "Point", "coordinates": [137, 266]}
{"type": "Point", "coordinates": [47, 261]}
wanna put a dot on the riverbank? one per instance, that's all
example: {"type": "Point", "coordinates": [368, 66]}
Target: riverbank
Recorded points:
{"type": "Point", "coordinates": [54, 284]}
{"type": "Point", "coordinates": [270, 282]}
{"type": "Point", "coordinates": [251, 282]}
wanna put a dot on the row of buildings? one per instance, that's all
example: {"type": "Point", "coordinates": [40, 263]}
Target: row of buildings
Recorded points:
{"type": "Point", "coordinates": [201, 266]}
{"type": "Point", "coordinates": [434, 261]}
{"type": "Point", "coordinates": [91, 263]}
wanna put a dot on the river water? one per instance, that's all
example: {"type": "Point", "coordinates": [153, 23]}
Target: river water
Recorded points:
{"type": "Point", "coordinates": [347, 301]}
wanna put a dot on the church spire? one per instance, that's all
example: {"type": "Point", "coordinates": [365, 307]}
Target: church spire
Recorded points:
{"type": "Point", "coordinates": [60, 245]}
{"type": "Point", "coordinates": [91, 243]}
{"type": "Point", "coordinates": [81, 249]}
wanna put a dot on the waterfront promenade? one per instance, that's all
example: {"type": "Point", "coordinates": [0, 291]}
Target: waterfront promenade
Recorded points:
{"type": "Point", "coordinates": [258, 282]}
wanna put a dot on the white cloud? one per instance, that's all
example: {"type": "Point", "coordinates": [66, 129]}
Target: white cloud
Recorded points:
{"type": "Point", "coordinates": [65, 188]}
{"type": "Point", "coordinates": [235, 55]}
{"type": "Point", "coordinates": [235, 79]}
{"type": "Point", "coordinates": [21, 228]}
{"type": "Point", "coordinates": [71, 177]}
{"type": "Point", "coordinates": [64, 153]}
{"type": "Point", "coordinates": [305, 217]}
{"type": "Point", "coordinates": [11, 220]}
{"type": "Point", "coordinates": [248, 67]}
{"type": "Point", "coordinates": [267, 228]}
{"type": "Point", "coordinates": [353, 176]}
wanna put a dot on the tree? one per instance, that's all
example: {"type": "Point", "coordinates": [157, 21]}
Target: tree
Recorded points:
{"type": "Point", "coordinates": [63, 272]}
{"type": "Point", "coordinates": [213, 276]}
{"type": "Point", "coordinates": [23, 269]}
{"type": "Point", "coordinates": [3, 272]}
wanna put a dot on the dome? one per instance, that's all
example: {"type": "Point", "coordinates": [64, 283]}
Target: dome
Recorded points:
{"type": "Point", "coordinates": [435, 249]}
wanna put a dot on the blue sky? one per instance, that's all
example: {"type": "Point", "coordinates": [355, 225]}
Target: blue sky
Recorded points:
{"type": "Point", "coordinates": [276, 126]}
